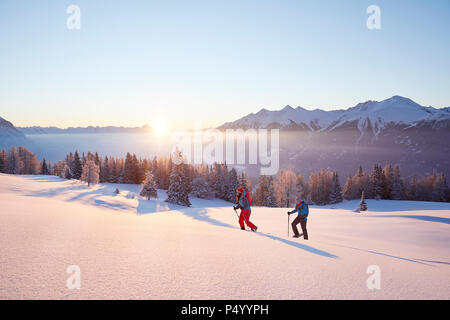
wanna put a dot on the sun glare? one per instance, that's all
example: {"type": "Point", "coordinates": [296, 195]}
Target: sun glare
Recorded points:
{"type": "Point", "coordinates": [160, 127]}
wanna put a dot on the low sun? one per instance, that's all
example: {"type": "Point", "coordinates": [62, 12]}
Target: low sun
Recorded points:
{"type": "Point", "coordinates": [160, 127]}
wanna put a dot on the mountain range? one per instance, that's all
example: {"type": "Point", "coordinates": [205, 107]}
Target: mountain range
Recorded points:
{"type": "Point", "coordinates": [393, 131]}
{"type": "Point", "coordinates": [374, 114]}
{"type": "Point", "coordinates": [89, 129]}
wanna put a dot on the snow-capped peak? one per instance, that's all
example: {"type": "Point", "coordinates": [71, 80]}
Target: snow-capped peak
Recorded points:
{"type": "Point", "coordinates": [396, 109]}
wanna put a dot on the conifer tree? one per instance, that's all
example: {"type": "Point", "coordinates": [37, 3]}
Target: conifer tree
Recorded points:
{"type": "Point", "coordinates": [148, 189]}
{"type": "Point", "coordinates": [376, 179]}
{"type": "Point", "coordinates": [396, 184]}
{"type": "Point", "coordinates": [3, 160]}
{"type": "Point", "coordinates": [178, 191]}
{"type": "Point", "coordinates": [233, 185]}
{"type": "Point", "coordinates": [362, 203]}
{"type": "Point", "coordinates": [90, 173]}
{"type": "Point", "coordinates": [440, 190]}
{"type": "Point", "coordinates": [349, 189]}
{"type": "Point", "coordinates": [200, 188]}
{"type": "Point", "coordinates": [14, 163]}
{"type": "Point", "coordinates": [77, 168]}
{"type": "Point", "coordinates": [387, 182]}
{"type": "Point", "coordinates": [336, 192]}
{"type": "Point", "coordinates": [44, 169]}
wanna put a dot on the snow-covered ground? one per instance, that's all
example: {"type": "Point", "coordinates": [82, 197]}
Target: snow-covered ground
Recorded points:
{"type": "Point", "coordinates": [132, 248]}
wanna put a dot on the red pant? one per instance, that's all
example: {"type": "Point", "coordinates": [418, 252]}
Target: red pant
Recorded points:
{"type": "Point", "coordinates": [245, 215]}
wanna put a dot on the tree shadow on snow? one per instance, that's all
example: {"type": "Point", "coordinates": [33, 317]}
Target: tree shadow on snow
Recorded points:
{"type": "Point", "coordinates": [418, 261]}
{"type": "Point", "coordinates": [155, 206]}
{"type": "Point", "coordinates": [44, 178]}
{"type": "Point", "coordinates": [423, 218]}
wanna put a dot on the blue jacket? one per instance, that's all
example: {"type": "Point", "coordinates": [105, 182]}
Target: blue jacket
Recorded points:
{"type": "Point", "coordinates": [299, 208]}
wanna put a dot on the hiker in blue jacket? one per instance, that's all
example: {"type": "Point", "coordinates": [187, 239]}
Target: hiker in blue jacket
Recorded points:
{"type": "Point", "coordinates": [302, 209]}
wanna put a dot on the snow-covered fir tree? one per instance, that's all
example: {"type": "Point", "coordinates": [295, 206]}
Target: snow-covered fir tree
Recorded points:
{"type": "Point", "coordinates": [218, 181]}
{"type": "Point", "coordinates": [90, 173]}
{"type": "Point", "coordinates": [178, 191]}
{"type": "Point", "coordinates": [66, 173]}
{"type": "Point", "coordinates": [336, 192]}
{"type": "Point", "coordinates": [232, 186]}
{"type": "Point", "coordinates": [200, 189]}
{"type": "Point", "coordinates": [148, 188]}
{"type": "Point", "coordinates": [362, 203]}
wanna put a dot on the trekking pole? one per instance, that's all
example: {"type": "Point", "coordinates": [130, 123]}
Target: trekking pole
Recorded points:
{"type": "Point", "coordinates": [238, 217]}
{"type": "Point", "coordinates": [288, 225]}
{"type": "Point", "coordinates": [236, 213]}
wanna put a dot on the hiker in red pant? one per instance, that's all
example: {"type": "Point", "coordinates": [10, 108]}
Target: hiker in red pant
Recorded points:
{"type": "Point", "coordinates": [244, 202]}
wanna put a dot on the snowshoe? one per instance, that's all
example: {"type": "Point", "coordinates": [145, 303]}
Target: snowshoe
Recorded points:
{"type": "Point", "coordinates": [254, 230]}
{"type": "Point", "coordinates": [296, 236]}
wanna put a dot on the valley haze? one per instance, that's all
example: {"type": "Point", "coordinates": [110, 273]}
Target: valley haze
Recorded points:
{"type": "Point", "coordinates": [396, 130]}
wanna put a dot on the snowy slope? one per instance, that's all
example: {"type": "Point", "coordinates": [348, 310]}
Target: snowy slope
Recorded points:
{"type": "Point", "coordinates": [132, 248]}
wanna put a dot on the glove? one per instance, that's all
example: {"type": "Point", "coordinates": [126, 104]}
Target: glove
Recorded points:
{"type": "Point", "coordinates": [288, 213]}
{"type": "Point", "coordinates": [236, 207]}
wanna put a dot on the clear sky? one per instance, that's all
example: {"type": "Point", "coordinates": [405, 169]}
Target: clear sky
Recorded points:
{"type": "Point", "coordinates": [214, 61]}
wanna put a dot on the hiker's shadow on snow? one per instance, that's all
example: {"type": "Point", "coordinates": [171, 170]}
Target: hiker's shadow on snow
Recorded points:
{"type": "Point", "coordinates": [299, 245]}
{"type": "Point", "coordinates": [202, 215]}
